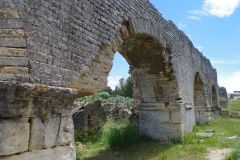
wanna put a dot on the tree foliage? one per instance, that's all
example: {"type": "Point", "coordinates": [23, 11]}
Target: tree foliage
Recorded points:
{"type": "Point", "coordinates": [123, 93]}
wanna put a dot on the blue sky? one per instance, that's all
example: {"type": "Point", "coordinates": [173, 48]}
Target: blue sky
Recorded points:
{"type": "Point", "coordinates": [214, 28]}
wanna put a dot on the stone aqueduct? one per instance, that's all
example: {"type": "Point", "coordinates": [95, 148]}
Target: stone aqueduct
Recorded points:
{"type": "Point", "coordinates": [53, 51]}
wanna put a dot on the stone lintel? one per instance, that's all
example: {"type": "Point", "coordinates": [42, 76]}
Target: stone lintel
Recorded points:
{"type": "Point", "coordinates": [30, 100]}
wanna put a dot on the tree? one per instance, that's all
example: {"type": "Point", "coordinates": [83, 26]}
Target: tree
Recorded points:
{"type": "Point", "coordinates": [124, 87]}
{"type": "Point", "coordinates": [109, 90]}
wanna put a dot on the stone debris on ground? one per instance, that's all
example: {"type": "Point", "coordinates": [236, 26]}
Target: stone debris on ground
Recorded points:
{"type": "Point", "coordinates": [207, 135]}
{"type": "Point", "coordinates": [234, 137]}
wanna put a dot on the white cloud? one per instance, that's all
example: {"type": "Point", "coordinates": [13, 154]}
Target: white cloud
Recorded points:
{"type": "Point", "coordinates": [181, 25]}
{"type": "Point", "coordinates": [230, 81]}
{"type": "Point", "coordinates": [194, 17]}
{"type": "Point", "coordinates": [219, 8]}
{"type": "Point", "coordinates": [198, 12]}
{"type": "Point", "coordinates": [114, 80]}
{"type": "Point", "coordinates": [200, 48]}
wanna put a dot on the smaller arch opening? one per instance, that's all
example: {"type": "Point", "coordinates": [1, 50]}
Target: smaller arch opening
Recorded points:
{"type": "Point", "coordinates": [199, 94]}
{"type": "Point", "coordinates": [214, 97]}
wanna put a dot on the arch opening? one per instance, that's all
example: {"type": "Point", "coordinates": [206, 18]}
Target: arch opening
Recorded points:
{"type": "Point", "coordinates": [199, 94]}
{"type": "Point", "coordinates": [214, 97]}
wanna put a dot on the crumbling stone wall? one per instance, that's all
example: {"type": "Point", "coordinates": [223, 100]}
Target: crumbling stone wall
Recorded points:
{"type": "Point", "coordinates": [91, 116]}
{"type": "Point", "coordinates": [223, 96]}
{"type": "Point", "coordinates": [57, 45]}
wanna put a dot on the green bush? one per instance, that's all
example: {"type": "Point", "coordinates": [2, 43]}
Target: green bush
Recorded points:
{"type": "Point", "coordinates": [105, 96]}
{"type": "Point", "coordinates": [122, 137]}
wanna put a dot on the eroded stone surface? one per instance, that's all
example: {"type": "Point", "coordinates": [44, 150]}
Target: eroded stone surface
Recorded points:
{"type": "Point", "coordinates": [66, 131]}
{"type": "Point", "coordinates": [37, 134]}
{"type": "Point", "coordinates": [51, 130]}
{"type": "Point", "coordinates": [14, 136]}
{"type": "Point", "coordinates": [57, 153]}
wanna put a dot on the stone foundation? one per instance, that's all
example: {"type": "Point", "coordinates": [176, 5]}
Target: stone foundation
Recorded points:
{"type": "Point", "coordinates": [36, 122]}
{"type": "Point", "coordinates": [205, 114]}
{"type": "Point", "coordinates": [163, 122]}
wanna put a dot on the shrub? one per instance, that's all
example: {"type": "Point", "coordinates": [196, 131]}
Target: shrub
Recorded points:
{"type": "Point", "coordinates": [122, 137]}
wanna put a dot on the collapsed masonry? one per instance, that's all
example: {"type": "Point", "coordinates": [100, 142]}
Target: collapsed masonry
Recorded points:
{"type": "Point", "coordinates": [54, 51]}
{"type": "Point", "coordinates": [90, 117]}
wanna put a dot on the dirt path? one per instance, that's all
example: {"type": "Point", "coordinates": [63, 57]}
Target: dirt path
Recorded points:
{"type": "Point", "coordinates": [219, 154]}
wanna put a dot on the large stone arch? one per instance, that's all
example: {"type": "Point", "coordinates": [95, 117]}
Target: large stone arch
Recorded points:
{"type": "Point", "coordinates": [53, 51]}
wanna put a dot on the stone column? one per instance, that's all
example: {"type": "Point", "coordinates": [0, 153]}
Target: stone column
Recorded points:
{"type": "Point", "coordinates": [165, 121]}
{"type": "Point", "coordinates": [36, 122]}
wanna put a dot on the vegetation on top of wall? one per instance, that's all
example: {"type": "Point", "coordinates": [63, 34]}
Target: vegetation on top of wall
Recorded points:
{"type": "Point", "coordinates": [123, 93]}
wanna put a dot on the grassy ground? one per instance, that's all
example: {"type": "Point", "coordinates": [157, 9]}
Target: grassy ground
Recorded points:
{"type": "Point", "coordinates": [234, 106]}
{"type": "Point", "coordinates": [190, 147]}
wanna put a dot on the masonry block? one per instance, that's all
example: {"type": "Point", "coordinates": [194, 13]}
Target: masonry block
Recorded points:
{"type": "Point", "coordinates": [176, 117]}
{"type": "Point", "coordinates": [56, 153]}
{"type": "Point", "coordinates": [51, 128]}
{"type": "Point", "coordinates": [10, 23]}
{"type": "Point", "coordinates": [66, 131]}
{"type": "Point", "coordinates": [14, 70]}
{"type": "Point", "coordinates": [37, 134]}
{"type": "Point", "coordinates": [12, 52]}
{"type": "Point", "coordinates": [14, 136]}
{"type": "Point", "coordinates": [11, 33]}
{"type": "Point", "coordinates": [13, 61]}
{"type": "Point", "coordinates": [13, 42]}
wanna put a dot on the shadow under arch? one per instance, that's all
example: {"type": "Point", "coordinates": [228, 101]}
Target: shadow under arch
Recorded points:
{"type": "Point", "coordinates": [156, 92]}
{"type": "Point", "coordinates": [214, 96]}
{"type": "Point", "coordinates": [199, 100]}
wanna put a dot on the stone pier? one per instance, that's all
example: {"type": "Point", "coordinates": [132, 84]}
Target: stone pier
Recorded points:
{"type": "Point", "coordinates": [36, 122]}
{"type": "Point", "coordinates": [54, 51]}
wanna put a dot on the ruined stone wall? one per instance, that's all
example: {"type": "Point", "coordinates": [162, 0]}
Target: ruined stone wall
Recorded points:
{"type": "Point", "coordinates": [223, 96]}
{"type": "Point", "coordinates": [64, 40]}
{"type": "Point", "coordinates": [49, 46]}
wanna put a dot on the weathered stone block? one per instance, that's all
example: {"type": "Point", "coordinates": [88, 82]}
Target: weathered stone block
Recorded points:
{"type": "Point", "coordinates": [51, 132]}
{"type": "Point", "coordinates": [176, 117]}
{"type": "Point", "coordinates": [7, 13]}
{"type": "Point", "coordinates": [11, 33]}
{"type": "Point", "coordinates": [14, 70]}
{"type": "Point", "coordinates": [10, 23]}
{"type": "Point", "coordinates": [12, 42]}
{"type": "Point", "coordinates": [160, 117]}
{"type": "Point", "coordinates": [14, 136]}
{"type": "Point", "coordinates": [13, 61]}
{"type": "Point", "coordinates": [56, 153]}
{"type": "Point", "coordinates": [145, 116]}
{"type": "Point", "coordinates": [66, 131]}
{"type": "Point", "coordinates": [168, 128]}
{"type": "Point", "coordinates": [37, 134]}
{"type": "Point", "coordinates": [12, 52]}
{"type": "Point", "coordinates": [14, 77]}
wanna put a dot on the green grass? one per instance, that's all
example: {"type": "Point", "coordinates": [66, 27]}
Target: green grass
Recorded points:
{"type": "Point", "coordinates": [234, 106]}
{"type": "Point", "coordinates": [121, 141]}
{"type": "Point", "coordinates": [112, 144]}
